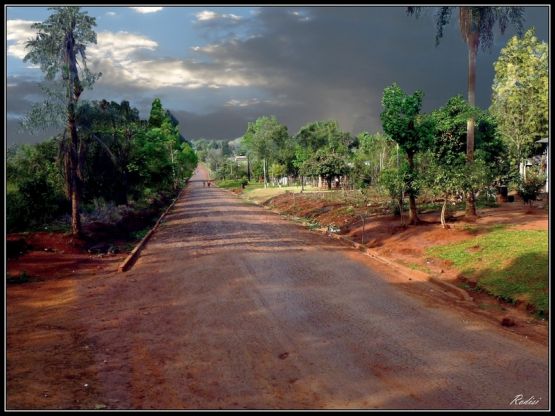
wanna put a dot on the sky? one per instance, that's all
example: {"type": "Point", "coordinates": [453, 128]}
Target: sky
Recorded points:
{"type": "Point", "coordinates": [217, 68]}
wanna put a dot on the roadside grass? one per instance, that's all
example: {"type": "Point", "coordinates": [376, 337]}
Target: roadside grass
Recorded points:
{"type": "Point", "coordinates": [229, 183]}
{"type": "Point", "coordinates": [509, 264]}
{"type": "Point", "coordinates": [260, 195]}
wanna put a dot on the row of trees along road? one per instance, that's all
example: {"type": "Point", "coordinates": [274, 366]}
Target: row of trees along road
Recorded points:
{"type": "Point", "coordinates": [105, 149]}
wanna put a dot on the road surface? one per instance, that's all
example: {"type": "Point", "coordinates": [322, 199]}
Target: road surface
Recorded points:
{"type": "Point", "coordinates": [230, 306]}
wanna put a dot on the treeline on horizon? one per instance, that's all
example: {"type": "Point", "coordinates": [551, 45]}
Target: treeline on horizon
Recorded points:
{"type": "Point", "coordinates": [427, 156]}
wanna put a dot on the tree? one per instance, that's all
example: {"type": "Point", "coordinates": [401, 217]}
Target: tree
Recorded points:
{"type": "Point", "coordinates": [401, 120]}
{"type": "Point", "coordinates": [277, 170]}
{"type": "Point", "coordinates": [476, 25]}
{"type": "Point", "coordinates": [35, 188]}
{"type": "Point", "coordinates": [264, 138]}
{"type": "Point", "coordinates": [520, 99]}
{"type": "Point", "coordinates": [107, 130]}
{"type": "Point", "coordinates": [61, 39]}
{"type": "Point", "coordinates": [326, 164]}
{"type": "Point", "coordinates": [393, 182]}
{"type": "Point", "coordinates": [449, 173]}
{"type": "Point", "coordinates": [157, 114]}
{"type": "Point", "coordinates": [318, 135]}
{"type": "Point", "coordinates": [375, 152]}
{"type": "Point", "coordinates": [450, 136]}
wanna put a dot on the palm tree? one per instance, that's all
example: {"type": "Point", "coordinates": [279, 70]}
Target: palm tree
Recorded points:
{"type": "Point", "coordinates": [476, 25]}
{"type": "Point", "coordinates": [60, 40]}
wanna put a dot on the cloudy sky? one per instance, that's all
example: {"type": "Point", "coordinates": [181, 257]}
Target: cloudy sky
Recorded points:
{"type": "Point", "coordinates": [216, 68]}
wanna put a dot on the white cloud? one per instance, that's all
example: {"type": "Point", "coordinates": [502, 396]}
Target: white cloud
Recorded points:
{"type": "Point", "coordinates": [111, 13]}
{"type": "Point", "coordinates": [144, 10]}
{"type": "Point", "coordinates": [18, 32]}
{"type": "Point", "coordinates": [242, 103]}
{"type": "Point", "coordinates": [120, 56]}
{"type": "Point", "coordinates": [119, 46]}
{"type": "Point", "coordinates": [301, 16]}
{"type": "Point", "coordinates": [207, 15]}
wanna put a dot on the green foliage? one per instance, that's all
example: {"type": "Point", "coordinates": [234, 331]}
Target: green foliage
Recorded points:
{"type": "Point", "coordinates": [476, 20]}
{"type": "Point", "coordinates": [67, 30]}
{"type": "Point", "coordinates": [530, 187]}
{"type": "Point", "coordinates": [392, 182]}
{"type": "Point", "coordinates": [121, 157]}
{"type": "Point", "coordinates": [374, 153]}
{"type": "Point", "coordinates": [267, 140]}
{"type": "Point", "coordinates": [232, 183]}
{"type": "Point", "coordinates": [521, 92]}
{"type": "Point", "coordinates": [157, 114]}
{"type": "Point", "coordinates": [277, 170]}
{"type": "Point", "coordinates": [448, 172]}
{"type": "Point", "coordinates": [401, 120]}
{"type": "Point", "coordinates": [326, 164]}
{"type": "Point", "coordinates": [400, 117]}
{"type": "Point", "coordinates": [264, 137]}
{"type": "Point", "coordinates": [35, 191]}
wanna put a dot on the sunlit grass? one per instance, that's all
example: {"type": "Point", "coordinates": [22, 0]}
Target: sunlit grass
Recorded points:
{"type": "Point", "coordinates": [260, 194]}
{"type": "Point", "coordinates": [510, 264]}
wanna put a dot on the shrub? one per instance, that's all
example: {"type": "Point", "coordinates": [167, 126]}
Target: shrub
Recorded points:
{"type": "Point", "coordinates": [530, 187]}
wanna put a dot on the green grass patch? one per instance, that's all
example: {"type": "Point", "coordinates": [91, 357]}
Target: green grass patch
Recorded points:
{"type": "Point", "coordinates": [509, 264]}
{"type": "Point", "coordinates": [260, 194]}
{"type": "Point", "coordinates": [229, 183]}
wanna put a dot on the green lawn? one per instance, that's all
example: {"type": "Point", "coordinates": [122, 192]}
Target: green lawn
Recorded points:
{"type": "Point", "coordinates": [260, 194]}
{"type": "Point", "coordinates": [511, 264]}
{"type": "Point", "coordinates": [229, 183]}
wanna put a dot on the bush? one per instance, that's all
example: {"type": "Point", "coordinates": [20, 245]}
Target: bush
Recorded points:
{"type": "Point", "coordinates": [531, 187]}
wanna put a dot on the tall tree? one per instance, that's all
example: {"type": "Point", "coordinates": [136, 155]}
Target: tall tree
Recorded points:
{"type": "Point", "coordinates": [327, 164]}
{"type": "Point", "coordinates": [157, 114]}
{"type": "Point", "coordinates": [520, 99]}
{"type": "Point", "coordinates": [448, 173]}
{"type": "Point", "coordinates": [401, 120]}
{"type": "Point", "coordinates": [59, 49]}
{"type": "Point", "coordinates": [476, 25]}
{"type": "Point", "coordinates": [264, 138]}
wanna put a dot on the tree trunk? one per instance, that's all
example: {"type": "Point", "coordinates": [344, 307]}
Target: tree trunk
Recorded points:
{"type": "Point", "coordinates": [265, 178]}
{"type": "Point", "coordinates": [443, 210]}
{"type": "Point", "coordinates": [472, 51]}
{"type": "Point", "coordinates": [248, 168]}
{"type": "Point", "coordinates": [413, 215]}
{"type": "Point", "coordinates": [74, 90]}
{"type": "Point", "coordinates": [328, 180]}
{"type": "Point", "coordinates": [74, 182]}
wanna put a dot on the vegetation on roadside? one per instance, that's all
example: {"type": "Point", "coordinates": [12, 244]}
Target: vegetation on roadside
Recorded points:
{"type": "Point", "coordinates": [507, 263]}
{"type": "Point", "coordinates": [104, 153]}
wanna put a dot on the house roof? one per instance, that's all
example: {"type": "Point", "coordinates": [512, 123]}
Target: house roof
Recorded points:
{"type": "Point", "coordinates": [544, 140]}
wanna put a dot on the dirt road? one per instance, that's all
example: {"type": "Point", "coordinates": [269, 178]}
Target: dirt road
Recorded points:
{"type": "Point", "coordinates": [230, 306]}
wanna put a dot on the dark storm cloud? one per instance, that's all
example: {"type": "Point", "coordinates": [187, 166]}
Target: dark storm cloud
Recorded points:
{"type": "Point", "coordinates": [335, 62]}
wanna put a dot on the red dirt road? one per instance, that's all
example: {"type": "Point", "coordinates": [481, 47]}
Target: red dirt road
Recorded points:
{"type": "Point", "coordinates": [230, 306]}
